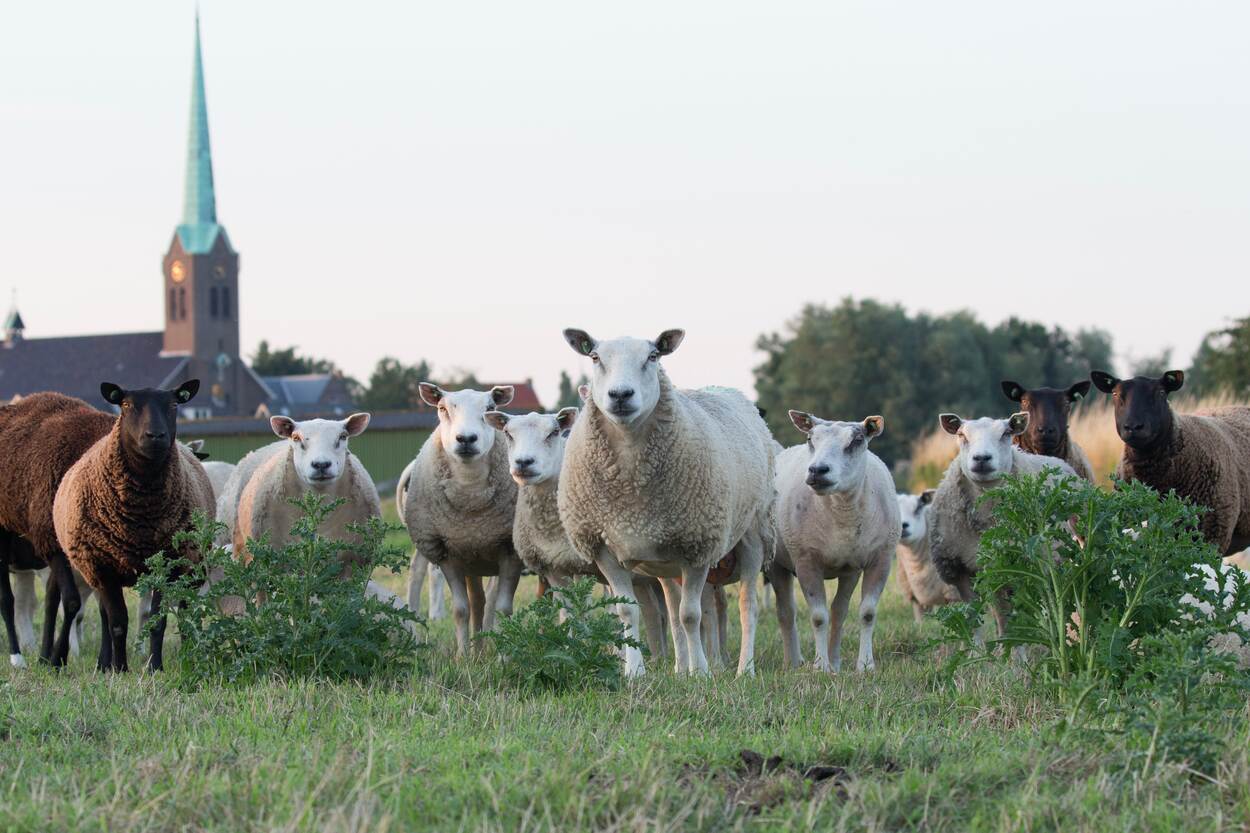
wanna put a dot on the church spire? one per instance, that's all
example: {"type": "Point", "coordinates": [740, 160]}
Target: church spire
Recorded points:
{"type": "Point", "coordinates": [200, 206]}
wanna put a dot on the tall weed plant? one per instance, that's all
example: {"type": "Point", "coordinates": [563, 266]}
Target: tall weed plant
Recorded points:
{"type": "Point", "coordinates": [292, 611]}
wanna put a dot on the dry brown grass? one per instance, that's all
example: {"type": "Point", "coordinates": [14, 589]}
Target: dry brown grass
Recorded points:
{"type": "Point", "coordinates": [1093, 428]}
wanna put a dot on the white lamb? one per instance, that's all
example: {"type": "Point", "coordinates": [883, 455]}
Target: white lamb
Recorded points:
{"type": "Point", "coordinates": [312, 456]}
{"type": "Point", "coordinates": [668, 483]}
{"type": "Point", "coordinates": [460, 505]}
{"type": "Point", "coordinates": [420, 568]}
{"type": "Point", "coordinates": [535, 444]}
{"type": "Point", "coordinates": [837, 517]}
{"type": "Point", "coordinates": [986, 455]}
{"type": "Point", "coordinates": [917, 577]}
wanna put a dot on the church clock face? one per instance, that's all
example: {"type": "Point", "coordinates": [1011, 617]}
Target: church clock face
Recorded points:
{"type": "Point", "coordinates": [178, 272]}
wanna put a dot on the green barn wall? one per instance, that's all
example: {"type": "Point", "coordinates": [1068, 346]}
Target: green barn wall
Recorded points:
{"type": "Point", "coordinates": [384, 453]}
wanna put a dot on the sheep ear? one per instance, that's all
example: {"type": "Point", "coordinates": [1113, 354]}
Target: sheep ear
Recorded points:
{"type": "Point", "coordinates": [283, 426]}
{"type": "Point", "coordinates": [926, 497]}
{"type": "Point", "coordinates": [496, 419]}
{"type": "Point", "coordinates": [565, 418]}
{"type": "Point", "coordinates": [201, 455]}
{"type": "Point", "coordinates": [113, 394]}
{"type": "Point", "coordinates": [669, 341]}
{"type": "Point", "coordinates": [502, 394]}
{"type": "Point", "coordinates": [874, 426]}
{"type": "Point", "coordinates": [1018, 422]}
{"type": "Point", "coordinates": [1172, 380]}
{"type": "Point", "coordinates": [803, 421]}
{"type": "Point", "coordinates": [187, 391]}
{"type": "Point", "coordinates": [1013, 390]}
{"type": "Point", "coordinates": [195, 445]}
{"type": "Point", "coordinates": [430, 393]}
{"type": "Point", "coordinates": [1078, 391]}
{"type": "Point", "coordinates": [950, 422]}
{"type": "Point", "coordinates": [580, 341]}
{"type": "Point", "coordinates": [356, 424]}
{"type": "Point", "coordinates": [1104, 381]}
{"type": "Point", "coordinates": [584, 392]}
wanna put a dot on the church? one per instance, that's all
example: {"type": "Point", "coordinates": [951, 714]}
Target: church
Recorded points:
{"type": "Point", "coordinates": [200, 298]}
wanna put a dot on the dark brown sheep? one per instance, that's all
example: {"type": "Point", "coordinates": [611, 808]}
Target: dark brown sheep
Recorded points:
{"type": "Point", "coordinates": [1047, 434]}
{"type": "Point", "coordinates": [41, 436]}
{"type": "Point", "coordinates": [124, 500]}
{"type": "Point", "coordinates": [1205, 457]}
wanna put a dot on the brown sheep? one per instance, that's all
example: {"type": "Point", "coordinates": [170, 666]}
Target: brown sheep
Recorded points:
{"type": "Point", "coordinates": [124, 500]}
{"type": "Point", "coordinates": [41, 437]}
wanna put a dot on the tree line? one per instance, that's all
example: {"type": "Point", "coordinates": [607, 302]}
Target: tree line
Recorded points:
{"type": "Point", "coordinates": [865, 357]}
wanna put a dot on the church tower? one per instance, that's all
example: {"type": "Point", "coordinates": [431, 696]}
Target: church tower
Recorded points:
{"type": "Point", "coordinates": [200, 276]}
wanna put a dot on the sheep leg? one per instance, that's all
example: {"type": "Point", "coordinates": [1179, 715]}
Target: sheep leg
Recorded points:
{"type": "Point", "coordinates": [26, 603]}
{"type": "Point", "coordinates": [477, 604]}
{"type": "Point", "coordinates": [156, 642]}
{"type": "Point", "coordinates": [875, 578]}
{"type": "Point", "coordinates": [812, 583]}
{"type": "Point", "coordinates": [104, 659]}
{"type": "Point", "coordinates": [438, 599]}
{"type": "Point", "coordinates": [459, 604]}
{"type": "Point", "coordinates": [708, 633]}
{"type": "Point", "coordinates": [837, 616]}
{"type": "Point", "coordinates": [416, 580]}
{"type": "Point", "coordinates": [622, 583]}
{"type": "Point", "coordinates": [722, 623]}
{"type": "Point", "coordinates": [51, 603]}
{"type": "Point", "coordinates": [917, 611]}
{"type": "Point", "coordinates": [488, 605]}
{"type": "Point", "coordinates": [782, 583]}
{"type": "Point", "coordinates": [10, 626]}
{"type": "Point", "coordinates": [693, 580]}
{"type": "Point", "coordinates": [751, 558]}
{"type": "Point", "coordinates": [505, 588]}
{"type": "Point", "coordinates": [113, 605]}
{"type": "Point", "coordinates": [672, 603]}
{"type": "Point", "coordinates": [71, 603]}
{"type": "Point", "coordinates": [652, 620]}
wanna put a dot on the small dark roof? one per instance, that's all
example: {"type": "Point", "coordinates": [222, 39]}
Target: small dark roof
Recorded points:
{"type": "Point", "coordinates": [14, 321]}
{"type": "Point", "coordinates": [76, 365]}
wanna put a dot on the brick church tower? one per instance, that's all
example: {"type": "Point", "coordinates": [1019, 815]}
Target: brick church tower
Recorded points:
{"type": "Point", "coordinates": [200, 279]}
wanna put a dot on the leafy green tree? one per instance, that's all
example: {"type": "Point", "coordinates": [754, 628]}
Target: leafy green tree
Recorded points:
{"type": "Point", "coordinates": [568, 397]}
{"type": "Point", "coordinates": [267, 361]}
{"type": "Point", "coordinates": [1222, 363]}
{"type": "Point", "coordinates": [393, 385]}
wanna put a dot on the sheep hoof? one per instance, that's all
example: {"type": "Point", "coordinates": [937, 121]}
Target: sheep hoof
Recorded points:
{"type": "Point", "coordinates": [17, 660]}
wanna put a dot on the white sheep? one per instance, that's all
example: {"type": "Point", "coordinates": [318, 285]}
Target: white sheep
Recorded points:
{"type": "Point", "coordinates": [230, 494]}
{"type": "Point", "coordinates": [986, 455]}
{"type": "Point", "coordinates": [837, 517]}
{"type": "Point", "coordinates": [420, 568]}
{"type": "Point", "coordinates": [460, 505]}
{"type": "Point", "coordinates": [535, 444]}
{"type": "Point", "coordinates": [668, 483]}
{"type": "Point", "coordinates": [917, 577]}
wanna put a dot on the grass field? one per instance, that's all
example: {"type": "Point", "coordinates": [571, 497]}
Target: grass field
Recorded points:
{"type": "Point", "coordinates": [452, 748]}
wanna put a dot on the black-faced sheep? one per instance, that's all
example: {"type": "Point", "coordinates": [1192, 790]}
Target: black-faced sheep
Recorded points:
{"type": "Point", "coordinates": [124, 500]}
{"type": "Point", "coordinates": [1205, 457]}
{"type": "Point", "coordinates": [1047, 434]}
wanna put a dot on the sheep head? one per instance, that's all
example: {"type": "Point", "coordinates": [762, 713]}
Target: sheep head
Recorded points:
{"type": "Point", "coordinates": [149, 417]}
{"type": "Point", "coordinates": [1143, 415]}
{"type": "Point", "coordinates": [319, 446]}
{"type": "Point", "coordinates": [837, 451]}
{"type": "Point", "coordinates": [625, 382]}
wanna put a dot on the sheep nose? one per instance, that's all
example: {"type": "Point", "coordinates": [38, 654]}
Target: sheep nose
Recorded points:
{"type": "Point", "coordinates": [906, 526]}
{"type": "Point", "coordinates": [523, 463]}
{"type": "Point", "coordinates": [818, 470]}
{"type": "Point", "coordinates": [466, 439]}
{"type": "Point", "coordinates": [620, 394]}
{"type": "Point", "coordinates": [1047, 430]}
{"type": "Point", "coordinates": [321, 465]}
{"type": "Point", "coordinates": [154, 435]}
{"type": "Point", "coordinates": [982, 458]}
{"type": "Point", "coordinates": [1135, 427]}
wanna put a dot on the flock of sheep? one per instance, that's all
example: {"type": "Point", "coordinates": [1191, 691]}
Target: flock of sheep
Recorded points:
{"type": "Point", "coordinates": [666, 495]}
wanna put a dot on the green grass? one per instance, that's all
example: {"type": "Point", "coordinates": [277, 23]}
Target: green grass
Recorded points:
{"type": "Point", "coordinates": [451, 749]}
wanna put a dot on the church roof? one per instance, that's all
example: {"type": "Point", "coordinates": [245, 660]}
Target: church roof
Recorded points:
{"type": "Point", "coordinates": [14, 320]}
{"type": "Point", "coordinates": [76, 365]}
{"type": "Point", "coordinates": [199, 228]}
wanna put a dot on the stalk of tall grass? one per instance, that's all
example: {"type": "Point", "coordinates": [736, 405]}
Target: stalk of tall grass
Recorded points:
{"type": "Point", "coordinates": [1092, 427]}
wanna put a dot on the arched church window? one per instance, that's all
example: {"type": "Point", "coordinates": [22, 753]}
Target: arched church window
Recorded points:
{"type": "Point", "coordinates": [212, 302]}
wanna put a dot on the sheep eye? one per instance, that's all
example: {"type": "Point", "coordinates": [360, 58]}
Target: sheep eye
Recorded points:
{"type": "Point", "coordinates": [553, 434]}
{"type": "Point", "coordinates": [342, 437]}
{"type": "Point", "coordinates": [654, 357]}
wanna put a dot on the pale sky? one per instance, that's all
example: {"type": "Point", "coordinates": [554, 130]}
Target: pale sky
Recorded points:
{"type": "Point", "coordinates": [461, 181]}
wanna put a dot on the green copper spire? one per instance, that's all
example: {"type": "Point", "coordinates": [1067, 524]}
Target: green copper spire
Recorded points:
{"type": "Point", "coordinates": [199, 227]}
